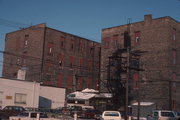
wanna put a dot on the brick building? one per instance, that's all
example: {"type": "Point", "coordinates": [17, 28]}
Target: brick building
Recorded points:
{"type": "Point", "coordinates": [161, 39]}
{"type": "Point", "coordinates": [52, 57]}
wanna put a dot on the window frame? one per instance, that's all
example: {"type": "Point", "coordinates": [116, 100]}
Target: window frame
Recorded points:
{"type": "Point", "coordinates": [21, 99]}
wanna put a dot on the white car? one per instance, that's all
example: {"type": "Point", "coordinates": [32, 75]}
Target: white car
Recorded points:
{"type": "Point", "coordinates": [31, 115]}
{"type": "Point", "coordinates": [111, 115]}
{"type": "Point", "coordinates": [162, 115]}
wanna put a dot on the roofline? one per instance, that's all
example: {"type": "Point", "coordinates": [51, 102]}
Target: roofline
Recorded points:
{"type": "Point", "coordinates": [27, 28]}
{"type": "Point", "coordinates": [72, 35]}
{"type": "Point", "coordinates": [20, 80]}
{"type": "Point", "coordinates": [141, 22]}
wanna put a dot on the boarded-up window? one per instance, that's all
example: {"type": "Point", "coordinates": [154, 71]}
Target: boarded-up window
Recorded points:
{"type": "Point", "coordinates": [60, 76]}
{"type": "Point", "coordinates": [20, 98]}
{"type": "Point", "coordinates": [70, 81]}
{"type": "Point", "coordinates": [135, 80]}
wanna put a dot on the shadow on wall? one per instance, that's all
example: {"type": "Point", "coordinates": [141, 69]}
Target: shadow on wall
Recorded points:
{"type": "Point", "coordinates": [44, 102]}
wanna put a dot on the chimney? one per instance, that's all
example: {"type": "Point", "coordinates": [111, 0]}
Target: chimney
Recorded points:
{"type": "Point", "coordinates": [21, 74]}
{"type": "Point", "coordinates": [148, 18]}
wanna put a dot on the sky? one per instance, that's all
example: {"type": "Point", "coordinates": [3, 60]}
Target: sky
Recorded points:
{"type": "Point", "coordinates": [84, 18]}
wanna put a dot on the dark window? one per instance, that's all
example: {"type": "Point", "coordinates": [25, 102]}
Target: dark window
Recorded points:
{"type": "Point", "coordinates": [62, 39]}
{"type": "Point", "coordinates": [127, 39]}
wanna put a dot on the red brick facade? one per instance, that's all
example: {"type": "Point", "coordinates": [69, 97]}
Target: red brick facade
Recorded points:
{"type": "Point", "coordinates": [52, 57]}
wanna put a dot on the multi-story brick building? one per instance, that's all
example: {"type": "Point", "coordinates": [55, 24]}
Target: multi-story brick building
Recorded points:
{"type": "Point", "coordinates": [52, 57]}
{"type": "Point", "coordinates": [161, 63]}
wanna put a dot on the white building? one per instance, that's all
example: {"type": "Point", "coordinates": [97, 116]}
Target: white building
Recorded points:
{"type": "Point", "coordinates": [30, 94]}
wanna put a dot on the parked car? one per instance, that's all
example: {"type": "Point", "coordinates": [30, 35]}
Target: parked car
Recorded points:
{"type": "Point", "coordinates": [10, 111]}
{"type": "Point", "coordinates": [31, 115]}
{"type": "Point", "coordinates": [90, 114]}
{"type": "Point", "coordinates": [162, 115]}
{"type": "Point", "coordinates": [111, 115]}
{"type": "Point", "coordinates": [76, 110]}
{"type": "Point", "coordinates": [177, 115]}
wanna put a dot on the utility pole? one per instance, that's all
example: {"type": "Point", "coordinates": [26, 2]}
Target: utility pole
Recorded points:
{"type": "Point", "coordinates": [127, 84]}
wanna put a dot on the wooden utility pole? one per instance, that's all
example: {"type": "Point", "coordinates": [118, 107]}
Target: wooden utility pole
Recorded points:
{"type": "Point", "coordinates": [127, 84]}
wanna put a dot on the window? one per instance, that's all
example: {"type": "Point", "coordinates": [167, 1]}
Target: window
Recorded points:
{"type": "Point", "coordinates": [62, 39]}
{"type": "Point", "coordinates": [89, 83]}
{"type": "Point", "coordinates": [70, 81]}
{"type": "Point", "coordinates": [72, 44]}
{"type": "Point", "coordinates": [71, 60]}
{"type": "Point", "coordinates": [24, 59]}
{"type": "Point", "coordinates": [174, 56]}
{"type": "Point", "coordinates": [26, 37]}
{"type": "Point", "coordinates": [50, 48]}
{"type": "Point", "coordinates": [106, 42]}
{"type": "Point", "coordinates": [25, 43]}
{"type": "Point", "coordinates": [155, 114]}
{"type": "Point", "coordinates": [81, 62]}
{"type": "Point", "coordinates": [80, 80]}
{"type": "Point", "coordinates": [17, 42]}
{"type": "Point", "coordinates": [135, 80]}
{"type": "Point", "coordinates": [81, 47]}
{"type": "Point", "coordinates": [174, 34]}
{"type": "Point", "coordinates": [91, 48]}
{"type": "Point", "coordinates": [174, 76]}
{"type": "Point", "coordinates": [18, 61]}
{"type": "Point", "coordinates": [61, 60]}
{"type": "Point", "coordinates": [89, 65]}
{"type": "Point", "coordinates": [115, 40]}
{"type": "Point", "coordinates": [20, 98]}
{"type": "Point", "coordinates": [60, 80]}
{"type": "Point", "coordinates": [49, 66]}
{"type": "Point", "coordinates": [137, 37]}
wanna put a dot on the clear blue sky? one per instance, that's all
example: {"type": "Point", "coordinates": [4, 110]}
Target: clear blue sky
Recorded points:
{"type": "Point", "coordinates": [85, 18]}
